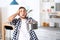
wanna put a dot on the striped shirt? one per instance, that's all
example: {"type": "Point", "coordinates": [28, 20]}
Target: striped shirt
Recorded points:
{"type": "Point", "coordinates": [17, 24]}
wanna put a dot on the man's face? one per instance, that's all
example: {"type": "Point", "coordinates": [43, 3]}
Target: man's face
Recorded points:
{"type": "Point", "coordinates": [22, 13]}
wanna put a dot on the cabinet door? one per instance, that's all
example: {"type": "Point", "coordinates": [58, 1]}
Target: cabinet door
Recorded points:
{"type": "Point", "coordinates": [46, 34]}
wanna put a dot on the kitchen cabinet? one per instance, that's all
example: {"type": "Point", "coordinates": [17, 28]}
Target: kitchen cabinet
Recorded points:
{"type": "Point", "coordinates": [48, 33]}
{"type": "Point", "coordinates": [46, 10]}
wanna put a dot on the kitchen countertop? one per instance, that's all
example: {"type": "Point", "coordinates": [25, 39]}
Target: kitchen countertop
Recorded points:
{"type": "Point", "coordinates": [47, 33]}
{"type": "Point", "coordinates": [56, 20]}
{"type": "Point", "coordinates": [49, 28]}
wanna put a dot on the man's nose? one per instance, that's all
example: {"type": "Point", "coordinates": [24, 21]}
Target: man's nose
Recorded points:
{"type": "Point", "coordinates": [23, 12]}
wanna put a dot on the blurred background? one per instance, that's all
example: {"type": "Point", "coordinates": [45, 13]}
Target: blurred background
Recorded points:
{"type": "Point", "coordinates": [45, 12]}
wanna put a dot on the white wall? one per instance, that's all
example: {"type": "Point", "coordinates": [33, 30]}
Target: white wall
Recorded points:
{"type": "Point", "coordinates": [29, 4]}
{"type": "Point", "coordinates": [8, 9]}
{"type": "Point", "coordinates": [4, 14]}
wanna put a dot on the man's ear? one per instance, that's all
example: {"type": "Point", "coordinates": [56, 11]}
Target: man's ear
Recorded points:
{"type": "Point", "coordinates": [18, 14]}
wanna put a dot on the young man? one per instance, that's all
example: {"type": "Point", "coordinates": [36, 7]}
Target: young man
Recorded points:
{"type": "Point", "coordinates": [22, 31]}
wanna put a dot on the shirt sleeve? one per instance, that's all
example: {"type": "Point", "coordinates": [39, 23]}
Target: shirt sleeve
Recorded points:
{"type": "Point", "coordinates": [32, 20]}
{"type": "Point", "coordinates": [13, 22]}
{"type": "Point", "coordinates": [34, 23]}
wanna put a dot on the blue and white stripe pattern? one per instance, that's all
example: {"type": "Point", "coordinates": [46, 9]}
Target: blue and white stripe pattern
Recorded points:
{"type": "Point", "coordinates": [17, 24]}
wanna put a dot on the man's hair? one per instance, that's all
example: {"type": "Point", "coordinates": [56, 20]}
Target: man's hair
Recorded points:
{"type": "Point", "coordinates": [22, 8]}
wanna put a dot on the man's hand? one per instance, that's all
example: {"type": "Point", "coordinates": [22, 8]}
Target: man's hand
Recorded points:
{"type": "Point", "coordinates": [32, 21]}
{"type": "Point", "coordinates": [13, 16]}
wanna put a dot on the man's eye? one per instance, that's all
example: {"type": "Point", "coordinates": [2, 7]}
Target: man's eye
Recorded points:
{"type": "Point", "coordinates": [21, 11]}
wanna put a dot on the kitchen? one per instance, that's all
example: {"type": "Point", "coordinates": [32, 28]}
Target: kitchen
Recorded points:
{"type": "Point", "coordinates": [45, 12]}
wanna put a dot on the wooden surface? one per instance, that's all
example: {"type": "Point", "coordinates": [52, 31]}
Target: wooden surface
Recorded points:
{"type": "Point", "coordinates": [3, 30]}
